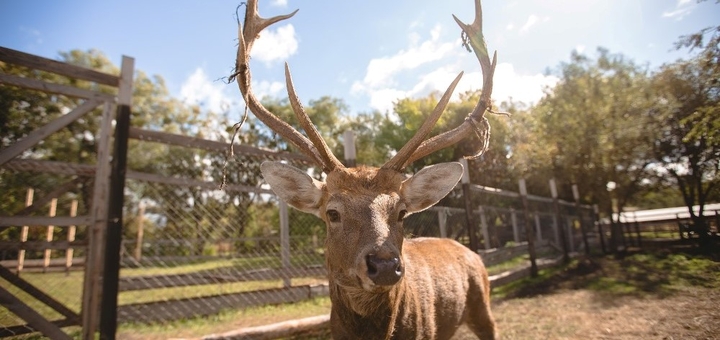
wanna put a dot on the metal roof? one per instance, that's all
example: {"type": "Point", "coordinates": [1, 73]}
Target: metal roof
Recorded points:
{"type": "Point", "coordinates": [665, 214]}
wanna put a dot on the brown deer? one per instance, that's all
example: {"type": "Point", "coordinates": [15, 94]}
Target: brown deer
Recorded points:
{"type": "Point", "coordinates": [383, 286]}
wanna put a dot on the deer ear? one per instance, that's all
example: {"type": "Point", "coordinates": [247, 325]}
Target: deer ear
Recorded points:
{"type": "Point", "coordinates": [293, 186]}
{"type": "Point", "coordinates": [430, 185]}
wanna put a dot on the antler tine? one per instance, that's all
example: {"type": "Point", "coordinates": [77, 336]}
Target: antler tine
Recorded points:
{"type": "Point", "coordinates": [247, 34]}
{"type": "Point", "coordinates": [475, 121]}
{"type": "Point", "coordinates": [330, 162]}
{"type": "Point", "coordinates": [399, 161]}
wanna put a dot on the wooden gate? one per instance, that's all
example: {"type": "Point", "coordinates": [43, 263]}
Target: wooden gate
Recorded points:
{"type": "Point", "coordinates": [96, 220]}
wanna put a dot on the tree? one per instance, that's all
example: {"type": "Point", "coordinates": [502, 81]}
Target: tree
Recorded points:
{"type": "Point", "coordinates": [588, 130]}
{"type": "Point", "coordinates": [687, 145]}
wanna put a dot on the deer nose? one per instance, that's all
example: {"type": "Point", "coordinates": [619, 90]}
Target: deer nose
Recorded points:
{"type": "Point", "coordinates": [384, 271]}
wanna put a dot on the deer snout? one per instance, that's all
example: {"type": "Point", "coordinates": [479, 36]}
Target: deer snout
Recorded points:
{"type": "Point", "coordinates": [384, 270]}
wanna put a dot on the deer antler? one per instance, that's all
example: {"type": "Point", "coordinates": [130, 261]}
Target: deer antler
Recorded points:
{"type": "Point", "coordinates": [475, 122]}
{"type": "Point", "coordinates": [315, 147]}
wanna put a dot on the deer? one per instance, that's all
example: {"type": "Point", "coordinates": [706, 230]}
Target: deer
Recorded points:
{"type": "Point", "coordinates": [382, 285]}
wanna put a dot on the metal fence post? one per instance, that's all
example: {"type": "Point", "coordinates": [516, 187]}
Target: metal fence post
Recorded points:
{"type": "Point", "coordinates": [560, 230]}
{"type": "Point", "coordinates": [484, 226]}
{"type": "Point", "coordinates": [576, 196]}
{"type": "Point", "coordinates": [442, 222]}
{"type": "Point", "coordinates": [285, 241]}
{"type": "Point", "coordinates": [471, 227]}
{"type": "Point", "coordinates": [528, 228]}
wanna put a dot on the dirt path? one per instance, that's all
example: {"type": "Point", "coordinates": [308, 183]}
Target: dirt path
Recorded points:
{"type": "Point", "coordinates": [639, 297]}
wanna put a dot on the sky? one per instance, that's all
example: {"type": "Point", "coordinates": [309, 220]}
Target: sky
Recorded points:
{"type": "Point", "coordinates": [368, 53]}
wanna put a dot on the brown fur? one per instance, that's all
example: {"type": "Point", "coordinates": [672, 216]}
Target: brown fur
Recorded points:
{"type": "Point", "coordinates": [443, 284]}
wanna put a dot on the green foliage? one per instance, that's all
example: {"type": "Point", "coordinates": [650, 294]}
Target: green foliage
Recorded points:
{"type": "Point", "coordinates": [588, 129]}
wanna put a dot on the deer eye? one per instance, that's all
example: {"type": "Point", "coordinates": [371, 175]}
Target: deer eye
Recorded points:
{"type": "Point", "coordinates": [401, 215]}
{"type": "Point", "coordinates": [333, 215]}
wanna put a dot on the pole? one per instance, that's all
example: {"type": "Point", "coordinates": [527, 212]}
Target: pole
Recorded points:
{"type": "Point", "coordinates": [24, 232]}
{"type": "Point", "coordinates": [576, 196]}
{"type": "Point", "coordinates": [140, 232]}
{"type": "Point", "coordinates": [49, 236]}
{"type": "Point", "coordinates": [529, 234]}
{"type": "Point", "coordinates": [284, 241]}
{"type": "Point", "coordinates": [70, 237]}
{"type": "Point", "coordinates": [116, 200]}
{"type": "Point", "coordinates": [471, 227]}
{"type": "Point", "coordinates": [561, 229]}
{"type": "Point", "coordinates": [596, 218]}
{"type": "Point", "coordinates": [349, 148]}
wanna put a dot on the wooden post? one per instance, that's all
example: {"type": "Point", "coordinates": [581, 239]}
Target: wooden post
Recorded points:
{"type": "Point", "coordinates": [576, 196]}
{"type": "Point", "coordinates": [92, 288]}
{"type": "Point", "coordinates": [442, 222]}
{"type": "Point", "coordinates": [24, 232]}
{"type": "Point", "coordinates": [570, 224]}
{"type": "Point", "coordinates": [70, 237]}
{"type": "Point", "coordinates": [538, 227]}
{"type": "Point", "coordinates": [140, 232]}
{"type": "Point", "coordinates": [528, 229]}
{"type": "Point", "coordinates": [484, 226]}
{"type": "Point", "coordinates": [516, 232]}
{"type": "Point", "coordinates": [561, 231]}
{"type": "Point", "coordinates": [471, 227]}
{"type": "Point", "coordinates": [284, 241]}
{"type": "Point", "coordinates": [116, 200]}
{"type": "Point", "coordinates": [349, 148]}
{"type": "Point", "coordinates": [49, 236]}
{"type": "Point", "coordinates": [95, 275]}
{"type": "Point", "coordinates": [596, 218]}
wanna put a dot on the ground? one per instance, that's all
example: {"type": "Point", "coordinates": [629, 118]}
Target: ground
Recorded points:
{"type": "Point", "coordinates": [641, 296]}
{"type": "Point", "coordinates": [666, 295]}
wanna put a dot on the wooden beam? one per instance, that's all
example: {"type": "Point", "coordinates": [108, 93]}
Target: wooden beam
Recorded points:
{"type": "Point", "coordinates": [39, 295]}
{"type": "Point", "coordinates": [53, 167]}
{"type": "Point", "coordinates": [58, 221]}
{"type": "Point", "coordinates": [13, 331]}
{"type": "Point", "coordinates": [59, 191]}
{"type": "Point", "coordinates": [41, 133]}
{"type": "Point", "coordinates": [188, 182]}
{"type": "Point", "coordinates": [63, 168]}
{"type": "Point", "coordinates": [192, 142]}
{"type": "Point", "coordinates": [33, 318]}
{"type": "Point", "coordinates": [285, 329]}
{"type": "Point", "coordinates": [208, 305]}
{"type": "Point", "coordinates": [65, 90]}
{"type": "Point", "coordinates": [54, 66]}
{"type": "Point", "coordinates": [41, 245]}
{"type": "Point", "coordinates": [130, 283]}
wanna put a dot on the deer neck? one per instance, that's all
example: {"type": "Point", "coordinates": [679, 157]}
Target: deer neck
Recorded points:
{"type": "Point", "coordinates": [372, 314]}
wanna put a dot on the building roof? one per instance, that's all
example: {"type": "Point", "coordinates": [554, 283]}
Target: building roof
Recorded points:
{"type": "Point", "coordinates": [666, 214]}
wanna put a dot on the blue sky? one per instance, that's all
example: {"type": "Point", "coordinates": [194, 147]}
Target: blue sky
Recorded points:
{"type": "Point", "coordinates": [368, 53]}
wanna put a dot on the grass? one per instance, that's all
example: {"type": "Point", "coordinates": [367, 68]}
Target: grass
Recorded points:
{"type": "Point", "coordinates": [226, 321]}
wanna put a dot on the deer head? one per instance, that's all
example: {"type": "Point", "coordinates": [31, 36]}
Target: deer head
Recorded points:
{"type": "Point", "coordinates": [364, 207]}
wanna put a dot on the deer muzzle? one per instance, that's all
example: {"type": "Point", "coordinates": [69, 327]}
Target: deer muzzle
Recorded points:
{"type": "Point", "coordinates": [384, 270]}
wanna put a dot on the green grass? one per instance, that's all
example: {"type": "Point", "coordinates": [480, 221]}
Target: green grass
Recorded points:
{"type": "Point", "coordinates": [227, 320]}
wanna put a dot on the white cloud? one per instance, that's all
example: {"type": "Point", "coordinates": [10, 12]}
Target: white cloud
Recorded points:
{"type": "Point", "coordinates": [580, 49]}
{"type": "Point", "coordinates": [520, 87]}
{"type": "Point", "coordinates": [218, 97]}
{"type": "Point", "coordinates": [279, 3]}
{"type": "Point", "coordinates": [682, 9]}
{"type": "Point", "coordinates": [275, 45]}
{"type": "Point", "coordinates": [198, 89]}
{"type": "Point", "coordinates": [532, 21]}
{"type": "Point", "coordinates": [381, 74]}
{"type": "Point", "coordinates": [394, 77]}
{"type": "Point", "coordinates": [510, 26]}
